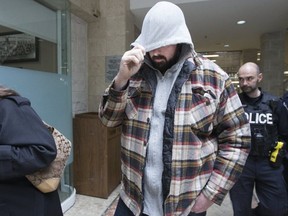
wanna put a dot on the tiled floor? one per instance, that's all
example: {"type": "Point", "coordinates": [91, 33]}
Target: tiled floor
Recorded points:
{"type": "Point", "coordinates": [92, 206]}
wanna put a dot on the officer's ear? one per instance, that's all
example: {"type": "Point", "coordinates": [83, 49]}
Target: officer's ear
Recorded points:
{"type": "Point", "coordinates": [260, 77]}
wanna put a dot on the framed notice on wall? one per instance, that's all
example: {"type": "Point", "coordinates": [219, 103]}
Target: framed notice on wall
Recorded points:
{"type": "Point", "coordinates": [18, 47]}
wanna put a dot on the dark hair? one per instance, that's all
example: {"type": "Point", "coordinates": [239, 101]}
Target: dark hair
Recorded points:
{"type": "Point", "coordinates": [7, 92]}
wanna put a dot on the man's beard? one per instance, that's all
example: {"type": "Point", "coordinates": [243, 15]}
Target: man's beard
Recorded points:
{"type": "Point", "coordinates": [163, 65]}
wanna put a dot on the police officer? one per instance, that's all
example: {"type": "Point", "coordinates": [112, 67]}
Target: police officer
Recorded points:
{"type": "Point", "coordinates": [260, 171]}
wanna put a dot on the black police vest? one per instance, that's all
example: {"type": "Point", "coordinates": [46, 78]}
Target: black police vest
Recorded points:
{"type": "Point", "coordinates": [263, 123]}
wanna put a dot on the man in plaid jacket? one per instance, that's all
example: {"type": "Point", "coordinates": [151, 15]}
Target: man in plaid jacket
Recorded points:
{"type": "Point", "coordinates": [185, 137]}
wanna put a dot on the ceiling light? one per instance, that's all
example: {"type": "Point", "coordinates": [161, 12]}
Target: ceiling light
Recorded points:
{"type": "Point", "coordinates": [241, 22]}
{"type": "Point", "coordinates": [285, 72]}
{"type": "Point", "coordinates": [211, 56]}
{"type": "Point", "coordinates": [226, 45]}
{"type": "Point", "coordinates": [235, 81]}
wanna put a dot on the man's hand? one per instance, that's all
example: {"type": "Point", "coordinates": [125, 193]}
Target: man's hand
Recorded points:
{"type": "Point", "coordinates": [130, 63]}
{"type": "Point", "coordinates": [202, 203]}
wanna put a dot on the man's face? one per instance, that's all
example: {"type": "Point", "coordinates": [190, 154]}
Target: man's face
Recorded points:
{"type": "Point", "coordinates": [164, 57]}
{"type": "Point", "coordinates": [249, 79]}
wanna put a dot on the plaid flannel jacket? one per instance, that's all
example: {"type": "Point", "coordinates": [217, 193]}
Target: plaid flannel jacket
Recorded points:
{"type": "Point", "coordinates": [206, 137]}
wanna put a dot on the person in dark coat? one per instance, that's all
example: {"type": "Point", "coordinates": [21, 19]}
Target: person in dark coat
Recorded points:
{"type": "Point", "coordinates": [26, 146]}
{"type": "Point", "coordinates": [282, 110]}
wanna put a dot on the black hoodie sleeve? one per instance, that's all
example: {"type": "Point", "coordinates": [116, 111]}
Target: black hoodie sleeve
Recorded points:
{"type": "Point", "coordinates": [26, 145]}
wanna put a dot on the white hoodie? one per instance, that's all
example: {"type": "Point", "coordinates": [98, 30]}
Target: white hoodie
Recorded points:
{"type": "Point", "coordinates": [163, 25]}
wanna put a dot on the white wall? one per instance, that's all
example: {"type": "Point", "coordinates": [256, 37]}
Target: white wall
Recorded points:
{"type": "Point", "coordinates": [79, 65]}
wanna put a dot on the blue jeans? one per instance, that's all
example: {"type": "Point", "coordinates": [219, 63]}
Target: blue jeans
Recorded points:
{"type": "Point", "coordinates": [270, 188]}
{"type": "Point", "coordinates": [123, 210]}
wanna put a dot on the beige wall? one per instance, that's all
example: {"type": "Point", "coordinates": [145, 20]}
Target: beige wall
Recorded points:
{"type": "Point", "coordinates": [273, 61]}
{"type": "Point", "coordinates": [110, 32]}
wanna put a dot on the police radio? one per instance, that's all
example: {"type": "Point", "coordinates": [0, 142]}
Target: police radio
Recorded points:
{"type": "Point", "coordinates": [277, 154]}
{"type": "Point", "coordinates": [259, 142]}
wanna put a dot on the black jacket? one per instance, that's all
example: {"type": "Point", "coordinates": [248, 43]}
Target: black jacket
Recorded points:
{"type": "Point", "coordinates": [282, 110]}
{"type": "Point", "coordinates": [25, 147]}
{"type": "Point", "coordinates": [263, 119]}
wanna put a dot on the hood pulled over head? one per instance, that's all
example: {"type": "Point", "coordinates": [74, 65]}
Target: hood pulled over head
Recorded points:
{"type": "Point", "coordinates": [163, 25]}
